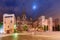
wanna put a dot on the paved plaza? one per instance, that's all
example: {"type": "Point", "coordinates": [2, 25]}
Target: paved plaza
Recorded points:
{"type": "Point", "coordinates": [31, 36]}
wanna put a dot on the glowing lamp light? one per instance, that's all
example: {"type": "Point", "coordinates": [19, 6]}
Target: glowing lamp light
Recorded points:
{"type": "Point", "coordinates": [1, 29]}
{"type": "Point", "coordinates": [15, 26]}
{"type": "Point", "coordinates": [15, 35]}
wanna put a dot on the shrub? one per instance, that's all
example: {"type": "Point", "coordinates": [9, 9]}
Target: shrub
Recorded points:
{"type": "Point", "coordinates": [25, 28]}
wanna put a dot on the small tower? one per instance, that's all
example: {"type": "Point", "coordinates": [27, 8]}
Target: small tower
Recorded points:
{"type": "Point", "coordinates": [24, 16]}
{"type": "Point", "coordinates": [50, 23]}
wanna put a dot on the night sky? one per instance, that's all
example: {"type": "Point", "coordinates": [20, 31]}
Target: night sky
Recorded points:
{"type": "Point", "coordinates": [33, 8]}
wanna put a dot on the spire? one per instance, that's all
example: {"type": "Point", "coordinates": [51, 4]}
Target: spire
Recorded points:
{"type": "Point", "coordinates": [23, 12]}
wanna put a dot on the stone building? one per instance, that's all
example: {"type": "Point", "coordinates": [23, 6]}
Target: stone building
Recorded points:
{"type": "Point", "coordinates": [24, 21]}
{"type": "Point", "coordinates": [46, 24]}
{"type": "Point", "coordinates": [8, 23]}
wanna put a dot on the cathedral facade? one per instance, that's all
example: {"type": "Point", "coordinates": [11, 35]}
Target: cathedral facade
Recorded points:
{"type": "Point", "coordinates": [22, 22]}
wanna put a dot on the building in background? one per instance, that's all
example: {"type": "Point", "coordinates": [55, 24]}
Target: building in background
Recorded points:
{"type": "Point", "coordinates": [56, 26]}
{"type": "Point", "coordinates": [47, 24]}
{"type": "Point", "coordinates": [8, 23]}
{"type": "Point", "coordinates": [57, 22]}
{"type": "Point", "coordinates": [23, 22]}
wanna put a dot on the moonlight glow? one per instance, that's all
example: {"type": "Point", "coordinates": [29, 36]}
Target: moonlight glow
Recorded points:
{"type": "Point", "coordinates": [34, 7]}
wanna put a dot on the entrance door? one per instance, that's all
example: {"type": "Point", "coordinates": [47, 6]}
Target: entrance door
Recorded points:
{"type": "Point", "coordinates": [8, 31]}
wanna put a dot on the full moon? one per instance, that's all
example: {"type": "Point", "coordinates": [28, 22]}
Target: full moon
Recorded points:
{"type": "Point", "coordinates": [34, 7]}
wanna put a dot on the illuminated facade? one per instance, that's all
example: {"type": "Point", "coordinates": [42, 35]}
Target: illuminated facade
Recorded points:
{"type": "Point", "coordinates": [47, 24]}
{"type": "Point", "coordinates": [41, 21]}
{"type": "Point", "coordinates": [50, 24]}
{"type": "Point", "coordinates": [8, 23]}
{"type": "Point", "coordinates": [23, 21]}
